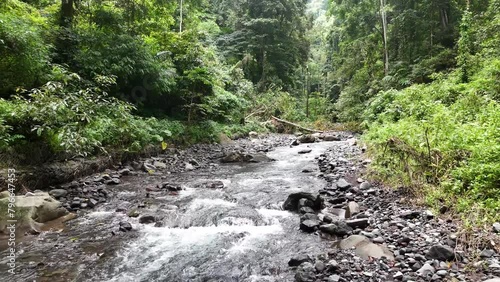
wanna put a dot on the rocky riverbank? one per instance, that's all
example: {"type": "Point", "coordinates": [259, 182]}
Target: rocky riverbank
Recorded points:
{"type": "Point", "coordinates": [379, 235]}
{"type": "Point", "coordinates": [231, 213]}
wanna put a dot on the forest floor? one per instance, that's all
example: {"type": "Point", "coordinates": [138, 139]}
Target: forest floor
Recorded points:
{"type": "Point", "coordinates": [266, 209]}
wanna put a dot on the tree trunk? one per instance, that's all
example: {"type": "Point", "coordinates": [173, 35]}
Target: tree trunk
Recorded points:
{"type": "Point", "coordinates": [180, 24]}
{"type": "Point", "coordinates": [67, 13]}
{"type": "Point", "coordinates": [384, 28]}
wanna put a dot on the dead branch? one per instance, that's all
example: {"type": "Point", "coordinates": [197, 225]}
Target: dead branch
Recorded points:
{"type": "Point", "coordinates": [296, 125]}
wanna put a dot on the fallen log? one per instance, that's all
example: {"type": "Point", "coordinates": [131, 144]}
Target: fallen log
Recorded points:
{"type": "Point", "coordinates": [295, 125]}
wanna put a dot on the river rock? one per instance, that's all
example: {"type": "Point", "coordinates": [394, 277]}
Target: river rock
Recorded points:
{"type": "Point", "coordinates": [496, 227]}
{"type": "Point", "coordinates": [309, 225]}
{"type": "Point", "coordinates": [305, 273]}
{"type": "Point", "coordinates": [58, 193]}
{"type": "Point", "coordinates": [358, 223]}
{"type": "Point", "coordinates": [364, 248]}
{"type": "Point", "coordinates": [330, 138]}
{"type": "Point", "coordinates": [188, 167]}
{"type": "Point", "coordinates": [309, 216]}
{"type": "Point", "coordinates": [148, 167]}
{"type": "Point", "coordinates": [493, 280]}
{"type": "Point", "coordinates": [338, 228]}
{"type": "Point", "coordinates": [365, 185]}
{"type": "Point", "coordinates": [146, 219]}
{"type": "Point", "coordinates": [307, 138]}
{"type": "Point", "coordinates": [440, 252]}
{"type": "Point", "coordinates": [32, 209]}
{"type": "Point", "coordinates": [299, 259]}
{"type": "Point", "coordinates": [352, 209]}
{"type": "Point", "coordinates": [426, 271]}
{"type": "Point", "coordinates": [305, 151]}
{"type": "Point", "coordinates": [159, 165]}
{"type": "Point", "coordinates": [305, 210]}
{"type": "Point", "coordinates": [253, 135]}
{"type": "Point", "coordinates": [292, 202]}
{"type": "Point", "coordinates": [343, 185]}
{"type": "Point", "coordinates": [125, 226]}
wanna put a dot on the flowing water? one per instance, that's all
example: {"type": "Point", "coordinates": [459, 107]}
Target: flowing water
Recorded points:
{"type": "Point", "coordinates": [237, 233]}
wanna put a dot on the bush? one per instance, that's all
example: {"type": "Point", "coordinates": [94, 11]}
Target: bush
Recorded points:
{"type": "Point", "coordinates": [441, 134]}
{"type": "Point", "coordinates": [76, 118]}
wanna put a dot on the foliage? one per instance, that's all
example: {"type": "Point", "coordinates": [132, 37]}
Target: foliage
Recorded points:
{"type": "Point", "coordinates": [23, 55]}
{"type": "Point", "coordinates": [76, 117]}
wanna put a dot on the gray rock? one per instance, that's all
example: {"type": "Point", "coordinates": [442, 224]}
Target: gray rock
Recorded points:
{"type": "Point", "coordinates": [304, 202]}
{"type": "Point", "coordinates": [125, 226]}
{"type": "Point", "coordinates": [124, 171]}
{"type": "Point", "coordinates": [352, 209]}
{"type": "Point", "coordinates": [309, 225]}
{"type": "Point", "coordinates": [319, 266]}
{"type": "Point", "coordinates": [309, 216]}
{"type": "Point", "coordinates": [365, 185]}
{"type": "Point", "coordinates": [160, 165]}
{"type": "Point", "coordinates": [188, 167]}
{"type": "Point", "coordinates": [146, 219]}
{"type": "Point", "coordinates": [358, 223]}
{"type": "Point", "coordinates": [148, 167]}
{"type": "Point", "coordinates": [496, 227]}
{"type": "Point", "coordinates": [442, 272]}
{"type": "Point", "coordinates": [292, 202]}
{"type": "Point", "coordinates": [113, 181]}
{"type": "Point", "coordinates": [58, 193]}
{"type": "Point", "coordinates": [304, 210]}
{"type": "Point", "coordinates": [334, 278]}
{"type": "Point", "coordinates": [305, 273]}
{"type": "Point", "coordinates": [488, 253]}
{"type": "Point", "coordinates": [343, 185]}
{"type": "Point", "coordinates": [440, 252]}
{"type": "Point", "coordinates": [338, 228]}
{"type": "Point", "coordinates": [426, 271]}
{"type": "Point", "coordinates": [364, 248]}
{"type": "Point", "coordinates": [305, 151]}
{"type": "Point", "coordinates": [253, 135]}
{"type": "Point", "coordinates": [308, 138]}
{"type": "Point", "coordinates": [330, 138]}
{"type": "Point", "coordinates": [398, 275]}
{"type": "Point", "coordinates": [299, 259]}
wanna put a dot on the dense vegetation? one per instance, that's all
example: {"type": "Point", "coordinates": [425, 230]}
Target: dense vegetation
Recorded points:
{"type": "Point", "coordinates": [83, 77]}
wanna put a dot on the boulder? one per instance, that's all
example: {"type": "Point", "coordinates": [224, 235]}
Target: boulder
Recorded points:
{"type": "Point", "coordinates": [338, 228]}
{"type": "Point", "coordinates": [292, 202]}
{"type": "Point", "coordinates": [364, 248]}
{"type": "Point", "coordinates": [30, 210]}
